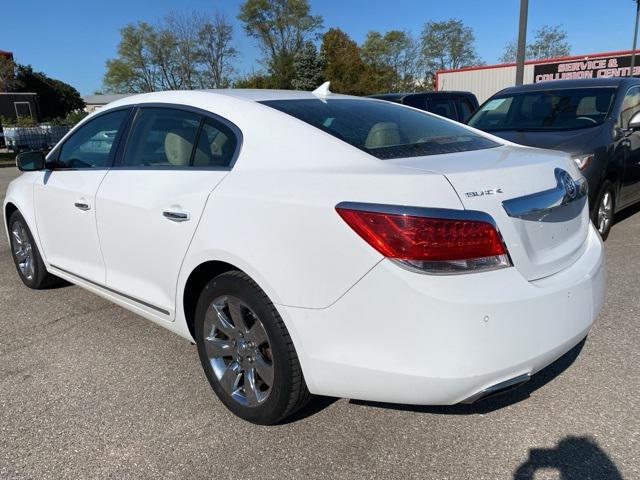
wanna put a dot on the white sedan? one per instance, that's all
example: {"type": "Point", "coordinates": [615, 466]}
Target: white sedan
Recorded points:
{"type": "Point", "coordinates": [317, 243]}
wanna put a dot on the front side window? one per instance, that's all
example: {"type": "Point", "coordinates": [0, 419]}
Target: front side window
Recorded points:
{"type": "Point", "coordinates": [161, 137]}
{"type": "Point", "coordinates": [630, 106]}
{"type": "Point", "coordinates": [383, 129]}
{"type": "Point", "coordinates": [92, 145]}
{"type": "Point", "coordinates": [562, 109]}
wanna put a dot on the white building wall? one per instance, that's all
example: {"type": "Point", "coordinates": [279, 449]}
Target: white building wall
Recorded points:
{"type": "Point", "coordinates": [482, 82]}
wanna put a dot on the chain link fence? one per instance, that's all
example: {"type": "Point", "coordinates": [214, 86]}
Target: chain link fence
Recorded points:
{"type": "Point", "coordinates": [40, 137]}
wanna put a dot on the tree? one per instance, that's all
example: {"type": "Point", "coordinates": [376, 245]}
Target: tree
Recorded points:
{"type": "Point", "coordinates": [549, 41]}
{"type": "Point", "coordinates": [343, 66]}
{"type": "Point", "coordinates": [185, 50]}
{"type": "Point", "coordinates": [135, 70]}
{"type": "Point", "coordinates": [281, 28]}
{"type": "Point", "coordinates": [56, 98]}
{"type": "Point", "coordinates": [7, 74]}
{"type": "Point", "coordinates": [217, 52]}
{"type": "Point", "coordinates": [448, 44]}
{"type": "Point", "coordinates": [308, 68]}
{"type": "Point", "coordinates": [255, 80]}
{"type": "Point", "coordinates": [395, 54]}
{"type": "Point", "coordinates": [510, 53]}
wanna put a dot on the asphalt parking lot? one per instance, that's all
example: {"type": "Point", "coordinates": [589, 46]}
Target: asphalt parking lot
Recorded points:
{"type": "Point", "coordinates": [88, 390]}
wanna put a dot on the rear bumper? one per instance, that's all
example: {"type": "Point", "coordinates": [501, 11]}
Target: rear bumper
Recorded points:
{"type": "Point", "coordinates": [403, 337]}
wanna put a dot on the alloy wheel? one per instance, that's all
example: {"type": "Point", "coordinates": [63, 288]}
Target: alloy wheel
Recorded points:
{"type": "Point", "coordinates": [605, 212]}
{"type": "Point", "coordinates": [23, 250]}
{"type": "Point", "coordinates": [238, 350]}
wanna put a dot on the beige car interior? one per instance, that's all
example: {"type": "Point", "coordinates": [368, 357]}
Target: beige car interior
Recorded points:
{"type": "Point", "coordinates": [178, 145]}
{"type": "Point", "coordinates": [383, 134]}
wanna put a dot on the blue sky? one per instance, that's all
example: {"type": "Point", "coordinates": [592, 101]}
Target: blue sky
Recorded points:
{"type": "Point", "coordinates": [71, 40]}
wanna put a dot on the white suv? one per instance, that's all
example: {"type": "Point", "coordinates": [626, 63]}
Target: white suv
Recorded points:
{"type": "Point", "coordinates": [312, 242]}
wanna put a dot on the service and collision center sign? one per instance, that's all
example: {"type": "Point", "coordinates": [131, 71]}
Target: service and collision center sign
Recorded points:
{"type": "Point", "coordinates": [616, 66]}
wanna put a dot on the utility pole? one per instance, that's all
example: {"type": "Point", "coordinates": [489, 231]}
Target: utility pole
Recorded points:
{"type": "Point", "coordinates": [635, 38]}
{"type": "Point", "coordinates": [522, 40]}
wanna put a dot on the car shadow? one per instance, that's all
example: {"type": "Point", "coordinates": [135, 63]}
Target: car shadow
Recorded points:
{"type": "Point", "coordinates": [626, 213]}
{"type": "Point", "coordinates": [574, 458]}
{"type": "Point", "coordinates": [491, 404]}
{"type": "Point", "coordinates": [317, 404]}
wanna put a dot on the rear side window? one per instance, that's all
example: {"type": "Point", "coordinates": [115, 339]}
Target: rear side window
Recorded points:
{"type": "Point", "coordinates": [465, 108]}
{"type": "Point", "coordinates": [91, 146]}
{"type": "Point", "coordinates": [443, 107]}
{"type": "Point", "coordinates": [383, 129]}
{"type": "Point", "coordinates": [216, 145]}
{"type": "Point", "coordinates": [161, 137]}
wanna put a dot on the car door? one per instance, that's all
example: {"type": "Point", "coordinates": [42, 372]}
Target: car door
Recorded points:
{"type": "Point", "coordinates": [150, 203]}
{"type": "Point", "coordinates": [64, 196]}
{"type": "Point", "coordinates": [630, 184]}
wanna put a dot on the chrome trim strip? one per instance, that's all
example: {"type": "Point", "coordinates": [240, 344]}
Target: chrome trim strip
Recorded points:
{"type": "Point", "coordinates": [445, 213]}
{"type": "Point", "coordinates": [566, 191]}
{"type": "Point", "coordinates": [111, 290]}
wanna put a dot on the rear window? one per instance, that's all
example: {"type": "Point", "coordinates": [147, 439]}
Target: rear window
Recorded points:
{"type": "Point", "coordinates": [383, 129]}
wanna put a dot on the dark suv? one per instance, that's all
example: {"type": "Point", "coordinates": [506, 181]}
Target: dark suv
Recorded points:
{"type": "Point", "coordinates": [597, 121]}
{"type": "Point", "coordinates": [454, 105]}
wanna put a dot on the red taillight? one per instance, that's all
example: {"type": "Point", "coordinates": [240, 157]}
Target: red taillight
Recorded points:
{"type": "Point", "coordinates": [427, 240]}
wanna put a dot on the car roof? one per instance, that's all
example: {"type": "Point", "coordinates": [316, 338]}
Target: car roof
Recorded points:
{"type": "Point", "coordinates": [384, 96]}
{"type": "Point", "coordinates": [262, 95]}
{"type": "Point", "coordinates": [247, 95]}
{"type": "Point", "coordinates": [581, 83]}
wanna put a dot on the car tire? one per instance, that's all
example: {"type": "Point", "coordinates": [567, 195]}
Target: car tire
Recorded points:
{"type": "Point", "coordinates": [246, 351]}
{"type": "Point", "coordinates": [604, 209]}
{"type": "Point", "coordinates": [26, 256]}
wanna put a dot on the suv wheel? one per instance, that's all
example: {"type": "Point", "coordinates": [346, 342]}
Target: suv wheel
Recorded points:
{"type": "Point", "coordinates": [603, 212]}
{"type": "Point", "coordinates": [246, 351]}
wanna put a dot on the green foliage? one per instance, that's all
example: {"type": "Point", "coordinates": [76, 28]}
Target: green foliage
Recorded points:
{"type": "Point", "coordinates": [255, 80]}
{"type": "Point", "coordinates": [184, 51]}
{"type": "Point", "coordinates": [24, 121]}
{"type": "Point", "coordinates": [308, 68]}
{"type": "Point", "coordinates": [75, 117]}
{"type": "Point", "coordinates": [343, 66]}
{"type": "Point", "coordinates": [448, 44]}
{"type": "Point", "coordinates": [396, 56]}
{"type": "Point", "coordinates": [281, 28]}
{"type": "Point", "coordinates": [7, 121]}
{"type": "Point", "coordinates": [56, 98]}
{"type": "Point", "coordinates": [7, 74]}
{"type": "Point", "coordinates": [549, 41]}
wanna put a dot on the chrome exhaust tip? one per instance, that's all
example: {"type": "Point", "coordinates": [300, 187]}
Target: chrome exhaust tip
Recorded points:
{"type": "Point", "coordinates": [498, 388]}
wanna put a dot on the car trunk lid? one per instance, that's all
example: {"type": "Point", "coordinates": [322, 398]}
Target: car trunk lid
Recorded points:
{"type": "Point", "coordinates": [536, 198]}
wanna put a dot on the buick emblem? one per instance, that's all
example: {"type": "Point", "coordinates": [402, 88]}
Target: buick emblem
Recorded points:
{"type": "Point", "coordinates": [569, 185]}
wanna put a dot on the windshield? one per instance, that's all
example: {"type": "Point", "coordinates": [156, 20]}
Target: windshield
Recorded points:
{"type": "Point", "coordinates": [383, 129]}
{"type": "Point", "coordinates": [562, 109]}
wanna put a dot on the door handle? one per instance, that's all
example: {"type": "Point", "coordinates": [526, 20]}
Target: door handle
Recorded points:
{"type": "Point", "coordinates": [175, 216]}
{"type": "Point", "coordinates": [82, 206]}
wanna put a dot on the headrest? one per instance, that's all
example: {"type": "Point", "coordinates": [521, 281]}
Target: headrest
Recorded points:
{"type": "Point", "coordinates": [383, 134]}
{"type": "Point", "coordinates": [178, 145]}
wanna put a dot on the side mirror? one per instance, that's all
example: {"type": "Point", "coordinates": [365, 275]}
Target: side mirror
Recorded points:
{"type": "Point", "coordinates": [30, 161]}
{"type": "Point", "coordinates": [634, 123]}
